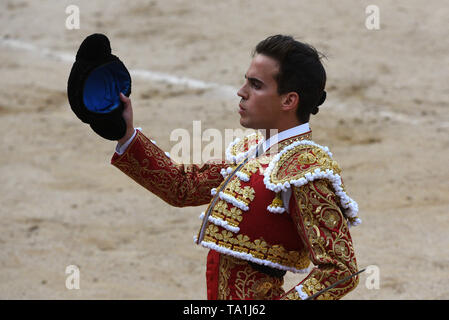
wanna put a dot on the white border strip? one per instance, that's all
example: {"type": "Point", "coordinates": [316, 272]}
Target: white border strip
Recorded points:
{"type": "Point", "coordinates": [225, 90]}
{"type": "Point", "coordinates": [230, 199]}
{"type": "Point", "coordinates": [220, 222]}
{"type": "Point", "coordinates": [47, 53]}
{"type": "Point", "coordinates": [241, 156]}
{"type": "Point", "coordinates": [155, 76]}
{"type": "Point", "coordinates": [249, 257]}
{"type": "Point", "coordinates": [273, 209]}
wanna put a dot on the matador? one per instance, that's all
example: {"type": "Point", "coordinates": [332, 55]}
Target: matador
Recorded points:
{"type": "Point", "coordinates": [278, 202]}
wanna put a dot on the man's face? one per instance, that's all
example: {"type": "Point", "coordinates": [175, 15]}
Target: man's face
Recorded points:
{"type": "Point", "coordinates": [260, 104]}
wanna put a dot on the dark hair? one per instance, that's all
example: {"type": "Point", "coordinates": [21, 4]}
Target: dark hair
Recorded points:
{"type": "Point", "coordinates": [300, 70]}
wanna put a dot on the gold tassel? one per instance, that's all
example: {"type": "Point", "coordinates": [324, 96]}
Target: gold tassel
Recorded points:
{"type": "Point", "coordinates": [277, 201]}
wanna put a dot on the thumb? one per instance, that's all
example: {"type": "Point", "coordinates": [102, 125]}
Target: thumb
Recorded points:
{"type": "Point", "coordinates": [124, 98]}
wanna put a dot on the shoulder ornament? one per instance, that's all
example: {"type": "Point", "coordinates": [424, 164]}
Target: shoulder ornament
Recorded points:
{"type": "Point", "coordinates": [239, 149]}
{"type": "Point", "coordinates": [302, 162]}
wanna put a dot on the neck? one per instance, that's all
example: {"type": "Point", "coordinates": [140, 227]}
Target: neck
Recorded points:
{"type": "Point", "coordinates": [267, 133]}
{"type": "Point", "coordinates": [300, 129]}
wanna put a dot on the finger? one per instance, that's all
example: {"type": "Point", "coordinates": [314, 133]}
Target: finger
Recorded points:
{"type": "Point", "coordinates": [124, 98]}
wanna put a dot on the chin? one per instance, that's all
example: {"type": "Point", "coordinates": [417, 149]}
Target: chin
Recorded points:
{"type": "Point", "coordinates": [247, 124]}
{"type": "Point", "coordinates": [243, 123]}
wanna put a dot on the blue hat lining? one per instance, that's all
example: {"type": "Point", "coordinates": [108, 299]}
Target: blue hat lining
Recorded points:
{"type": "Point", "coordinates": [101, 93]}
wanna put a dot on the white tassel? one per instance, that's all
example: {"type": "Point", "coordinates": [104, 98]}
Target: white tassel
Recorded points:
{"type": "Point", "coordinates": [301, 293]}
{"type": "Point", "coordinates": [276, 209]}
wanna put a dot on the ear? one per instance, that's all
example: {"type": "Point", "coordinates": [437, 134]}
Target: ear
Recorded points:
{"type": "Point", "coordinates": [290, 101]}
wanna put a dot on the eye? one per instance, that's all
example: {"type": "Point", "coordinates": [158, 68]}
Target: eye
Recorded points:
{"type": "Point", "coordinates": [255, 84]}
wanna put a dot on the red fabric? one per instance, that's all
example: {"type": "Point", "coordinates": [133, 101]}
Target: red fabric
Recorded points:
{"type": "Point", "coordinates": [276, 231]}
{"type": "Point", "coordinates": [308, 228]}
{"type": "Point", "coordinates": [239, 280]}
{"type": "Point", "coordinates": [259, 223]}
{"type": "Point", "coordinates": [212, 267]}
{"type": "Point", "coordinates": [177, 184]}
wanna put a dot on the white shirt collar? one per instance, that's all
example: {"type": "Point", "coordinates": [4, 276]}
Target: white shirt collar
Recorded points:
{"type": "Point", "coordinates": [292, 132]}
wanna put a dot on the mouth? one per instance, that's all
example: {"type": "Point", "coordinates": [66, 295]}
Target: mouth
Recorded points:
{"type": "Point", "coordinates": [241, 109]}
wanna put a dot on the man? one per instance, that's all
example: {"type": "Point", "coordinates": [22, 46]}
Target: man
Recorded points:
{"type": "Point", "coordinates": [278, 203]}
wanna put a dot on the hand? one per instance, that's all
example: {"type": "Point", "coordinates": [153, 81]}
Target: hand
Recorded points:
{"type": "Point", "coordinates": [128, 117]}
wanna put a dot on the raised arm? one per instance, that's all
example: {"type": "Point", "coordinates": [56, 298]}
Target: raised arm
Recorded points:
{"type": "Point", "coordinates": [177, 184]}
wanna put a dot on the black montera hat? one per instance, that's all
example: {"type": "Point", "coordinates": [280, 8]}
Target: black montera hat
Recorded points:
{"type": "Point", "coordinates": [95, 82]}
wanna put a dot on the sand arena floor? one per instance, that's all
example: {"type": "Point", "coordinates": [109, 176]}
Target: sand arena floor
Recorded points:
{"type": "Point", "coordinates": [62, 203]}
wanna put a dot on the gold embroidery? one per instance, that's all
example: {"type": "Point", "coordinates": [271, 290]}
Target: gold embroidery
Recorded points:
{"type": "Point", "coordinates": [252, 140]}
{"type": "Point", "coordinates": [233, 187]}
{"type": "Point", "coordinates": [224, 274]}
{"type": "Point", "coordinates": [252, 166]}
{"type": "Point", "coordinates": [233, 216]}
{"type": "Point", "coordinates": [300, 160]}
{"type": "Point", "coordinates": [257, 248]}
{"type": "Point", "coordinates": [245, 194]}
{"type": "Point", "coordinates": [277, 201]}
{"type": "Point", "coordinates": [291, 295]}
{"type": "Point", "coordinates": [263, 160]}
{"type": "Point", "coordinates": [245, 278]}
{"type": "Point", "coordinates": [177, 184]}
{"type": "Point", "coordinates": [220, 209]}
{"type": "Point", "coordinates": [282, 144]}
{"type": "Point", "coordinates": [249, 287]}
{"type": "Point", "coordinates": [326, 234]}
{"type": "Point", "coordinates": [246, 283]}
{"type": "Point", "coordinates": [306, 158]}
{"type": "Point", "coordinates": [260, 246]}
{"type": "Point", "coordinates": [246, 143]}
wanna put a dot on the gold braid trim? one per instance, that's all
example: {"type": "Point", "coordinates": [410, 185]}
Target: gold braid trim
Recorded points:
{"type": "Point", "coordinates": [292, 260]}
{"type": "Point", "coordinates": [177, 184]}
{"type": "Point", "coordinates": [246, 282]}
{"type": "Point", "coordinates": [303, 162]}
{"type": "Point", "coordinates": [300, 160]}
{"type": "Point", "coordinates": [239, 148]}
{"type": "Point", "coordinates": [325, 233]}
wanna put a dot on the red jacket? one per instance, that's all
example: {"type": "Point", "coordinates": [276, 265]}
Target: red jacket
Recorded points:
{"type": "Point", "coordinates": [249, 224]}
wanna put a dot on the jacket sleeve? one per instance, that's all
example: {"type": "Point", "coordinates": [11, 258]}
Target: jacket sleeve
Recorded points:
{"type": "Point", "coordinates": [177, 184]}
{"type": "Point", "coordinates": [325, 234]}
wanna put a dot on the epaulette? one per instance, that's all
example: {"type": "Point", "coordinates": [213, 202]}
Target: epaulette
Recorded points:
{"type": "Point", "coordinates": [239, 149]}
{"type": "Point", "coordinates": [302, 162]}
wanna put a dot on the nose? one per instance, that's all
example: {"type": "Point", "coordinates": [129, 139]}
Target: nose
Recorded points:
{"type": "Point", "coordinates": [242, 93]}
